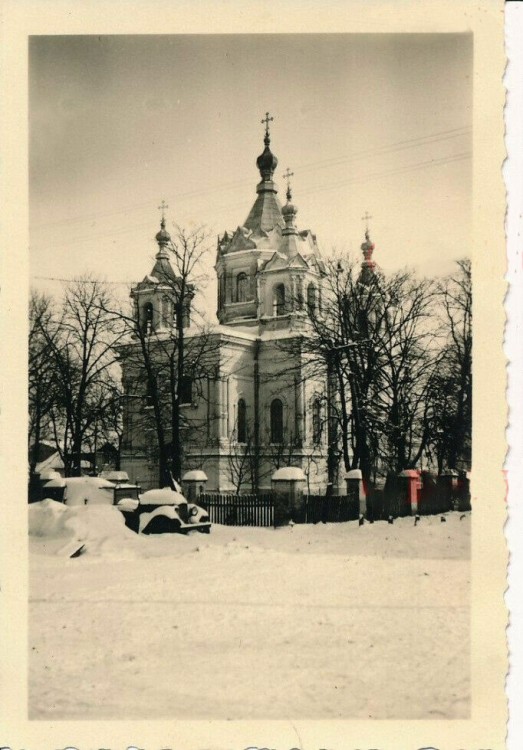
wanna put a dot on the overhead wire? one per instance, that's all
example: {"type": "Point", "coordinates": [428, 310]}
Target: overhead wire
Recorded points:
{"type": "Point", "coordinates": [333, 161]}
{"type": "Point", "coordinates": [331, 186]}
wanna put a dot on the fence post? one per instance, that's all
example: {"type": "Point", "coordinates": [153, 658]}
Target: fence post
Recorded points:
{"type": "Point", "coordinates": [287, 484]}
{"type": "Point", "coordinates": [449, 484]}
{"type": "Point", "coordinates": [193, 483]}
{"type": "Point", "coordinates": [412, 478]}
{"type": "Point", "coordinates": [355, 488]}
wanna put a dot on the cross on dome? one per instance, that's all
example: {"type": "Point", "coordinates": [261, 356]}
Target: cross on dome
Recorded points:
{"type": "Point", "coordinates": [288, 174]}
{"type": "Point", "coordinates": [163, 237]}
{"type": "Point", "coordinates": [366, 220]}
{"type": "Point", "coordinates": [266, 120]}
{"type": "Point", "coordinates": [163, 205]}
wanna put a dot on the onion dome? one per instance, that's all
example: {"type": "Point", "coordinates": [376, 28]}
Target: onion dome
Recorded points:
{"type": "Point", "coordinates": [367, 248]}
{"type": "Point", "coordinates": [267, 162]}
{"type": "Point", "coordinates": [368, 265]}
{"type": "Point", "coordinates": [163, 237]}
{"type": "Point", "coordinates": [289, 210]}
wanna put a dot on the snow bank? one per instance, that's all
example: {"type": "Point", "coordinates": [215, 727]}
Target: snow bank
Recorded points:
{"type": "Point", "coordinates": [46, 518]}
{"type": "Point", "coordinates": [99, 528]}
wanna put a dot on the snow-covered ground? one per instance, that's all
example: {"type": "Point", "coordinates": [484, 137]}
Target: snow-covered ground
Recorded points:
{"type": "Point", "coordinates": [325, 621]}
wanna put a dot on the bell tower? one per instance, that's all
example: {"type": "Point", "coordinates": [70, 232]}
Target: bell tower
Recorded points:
{"type": "Point", "coordinates": [267, 269]}
{"type": "Point", "coordinates": [156, 297]}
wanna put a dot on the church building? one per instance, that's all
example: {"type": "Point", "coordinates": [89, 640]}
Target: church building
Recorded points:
{"type": "Point", "coordinates": [254, 407]}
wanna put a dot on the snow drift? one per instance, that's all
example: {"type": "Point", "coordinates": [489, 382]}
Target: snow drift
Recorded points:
{"type": "Point", "coordinates": [64, 529]}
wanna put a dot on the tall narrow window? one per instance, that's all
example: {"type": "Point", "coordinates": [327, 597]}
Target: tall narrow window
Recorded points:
{"type": "Point", "coordinates": [316, 421]}
{"type": "Point", "coordinates": [147, 319]}
{"type": "Point", "coordinates": [277, 421]}
{"type": "Point", "coordinates": [185, 391]}
{"type": "Point", "coordinates": [166, 312]}
{"type": "Point", "coordinates": [242, 421]}
{"type": "Point", "coordinates": [278, 301]}
{"type": "Point", "coordinates": [186, 319]}
{"type": "Point", "coordinates": [311, 298]}
{"type": "Point", "coordinates": [242, 287]}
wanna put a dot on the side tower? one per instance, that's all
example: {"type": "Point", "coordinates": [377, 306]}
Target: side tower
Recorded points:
{"type": "Point", "coordinates": [162, 300]}
{"type": "Point", "coordinates": [154, 371]}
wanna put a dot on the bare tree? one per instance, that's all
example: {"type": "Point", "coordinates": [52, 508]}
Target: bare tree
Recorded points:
{"type": "Point", "coordinates": [79, 341]}
{"type": "Point", "coordinates": [42, 375]}
{"type": "Point", "coordinates": [376, 342]}
{"type": "Point", "coordinates": [451, 384]}
{"type": "Point", "coordinates": [241, 462]}
{"type": "Point", "coordinates": [164, 364]}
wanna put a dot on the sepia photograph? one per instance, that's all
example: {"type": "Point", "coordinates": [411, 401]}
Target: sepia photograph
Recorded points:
{"type": "Point", "coordinates": [250, 357]}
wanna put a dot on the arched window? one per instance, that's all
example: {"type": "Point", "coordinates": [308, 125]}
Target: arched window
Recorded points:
{"type": "Point", "coordinates": [242, 421]}
{"type": "Point", "coordinates": [311, 298]}
{"type": "Point", "coordinates": [277, 421]}
{"type": "Point", "coordinates": [316, 421]}
{"type": "Point", "coordinates": [242, 287]}
{"type": "Point", "coordinates": [147, 318]}
{"type": "Point", "coordinates": [278, 300]}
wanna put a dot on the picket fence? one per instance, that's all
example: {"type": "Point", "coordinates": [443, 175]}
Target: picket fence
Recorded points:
{"type": "Point", "coordinates": [239, 510]}
{"type": "Point", "coordinates": [252, 510]}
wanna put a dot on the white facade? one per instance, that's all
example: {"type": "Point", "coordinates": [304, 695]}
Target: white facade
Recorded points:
{"type": "Point", "coordinates": [256, 407]}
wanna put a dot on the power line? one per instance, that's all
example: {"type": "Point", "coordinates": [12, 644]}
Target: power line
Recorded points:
{"type": "Point", "coordinates": [379, 175]}
{"type": "Point", "coordinates": [83, 281]}
{"type": "Point", "coordinates": [331, 186]}
{"type": "Point", "coordinates": [443, 135]}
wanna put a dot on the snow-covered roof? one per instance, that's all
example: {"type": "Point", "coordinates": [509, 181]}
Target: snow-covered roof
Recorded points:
{"type": "Point", "coordinates": [115, 476]}
{"type": "Point", "coordinates": [51, 462]}
{"type": "Point", "coordinates": [196, 475]}
{"type": "Point", "coordinates": [288, 474]}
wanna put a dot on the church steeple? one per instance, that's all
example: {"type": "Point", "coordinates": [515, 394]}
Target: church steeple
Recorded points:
{"type": "Point", "coordinates": [266, 211]}
{"type": "Point", "coordinates": [163, 237]}
{"type": "Point", "coordinates": [266, 267]}
{"type": "Point", "coordinates": [289, 210]}
{"type": "Point", "coordinates": [368, 265]}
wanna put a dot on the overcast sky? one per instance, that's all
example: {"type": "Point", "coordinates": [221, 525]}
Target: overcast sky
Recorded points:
{"type": "Point", "coordinates": [378, 123]}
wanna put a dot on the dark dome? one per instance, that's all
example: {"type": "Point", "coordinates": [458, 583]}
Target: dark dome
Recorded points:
{"type": "Point", "coordinates": [289, 209]}
{"type": "Point", "coordinates": [266, 162]}
{"type": "Point", "coordinates": [163, 236]}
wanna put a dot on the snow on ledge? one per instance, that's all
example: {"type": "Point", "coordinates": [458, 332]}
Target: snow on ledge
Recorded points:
{"type": "Point", "coordinates": [196, 475]}
{"type": "Point", "coordinates": [288, 474]}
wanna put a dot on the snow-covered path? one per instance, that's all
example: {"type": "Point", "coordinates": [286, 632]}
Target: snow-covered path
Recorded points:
{"type": "Point", "coordinates": [332, 621]}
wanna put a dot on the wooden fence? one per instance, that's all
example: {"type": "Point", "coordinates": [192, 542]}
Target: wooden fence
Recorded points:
{"type": "Point", "coordinates": [334, 509]}
{"type": "Point", "coordinates": [434, 497]}
{"type": "Point", "coordinates": [252, 510]}
{"type": "Point", "coordinates": [239, 510]}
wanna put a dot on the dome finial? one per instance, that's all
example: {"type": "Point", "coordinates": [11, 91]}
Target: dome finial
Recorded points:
{"type": "Point", "coordinates": [288, 174]}
{"type": "Point", "coordinates": [366, 220]}
{"type": "Point", "coordinates": [266, 120]}
{"type": "Point", "coordinates": [367, 249]}
{"type": "Point", "coordinates": [163, 205]}
{"type": "Point", "coordinates": [163, 237]}
{"type": "Point", "coordinates": [267, 162]}
{"type": "Point", "coordinates": [289, 210]}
